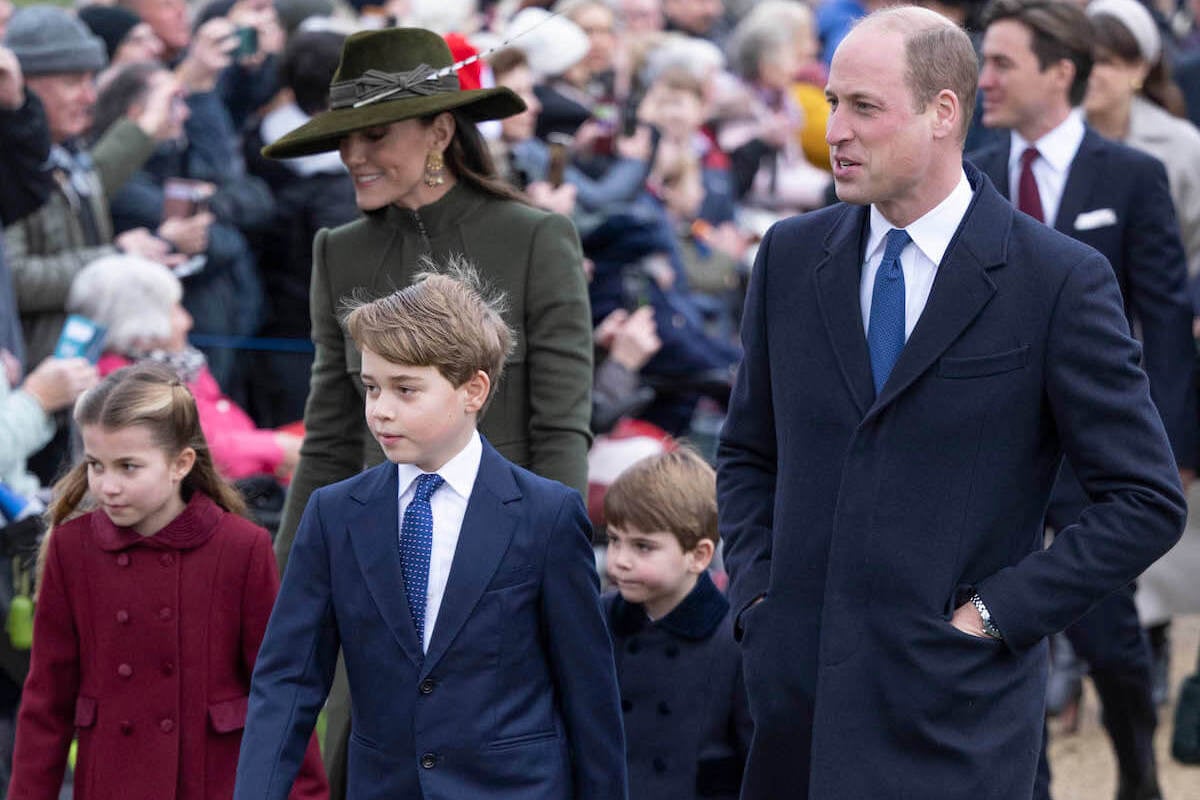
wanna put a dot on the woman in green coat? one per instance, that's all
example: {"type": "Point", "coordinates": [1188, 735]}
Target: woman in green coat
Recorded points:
{"type": "Point", "coordinates": [428, 189]}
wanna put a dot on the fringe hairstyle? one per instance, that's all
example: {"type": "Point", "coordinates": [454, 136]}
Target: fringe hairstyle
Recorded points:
{"type": "Point", "coordinates": [151, 395]}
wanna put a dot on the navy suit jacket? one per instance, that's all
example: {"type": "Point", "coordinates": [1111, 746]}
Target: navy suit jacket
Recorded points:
{"type": "Point", "coordinates": [866, 520]}
{"type": "Point", "coordinates": [517, 695]}
{"type": "Point", "coordinates": [1140, 239]}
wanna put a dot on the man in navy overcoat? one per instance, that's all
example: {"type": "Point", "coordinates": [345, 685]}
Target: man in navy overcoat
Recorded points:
{"type": "Point", "coordinates": [893, 437]}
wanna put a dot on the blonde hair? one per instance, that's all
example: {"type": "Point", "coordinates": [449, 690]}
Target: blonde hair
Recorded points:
{"type": "Point", "coordinates": [446, 319]}
{"type": "Point", "coordinates": [674, 492]}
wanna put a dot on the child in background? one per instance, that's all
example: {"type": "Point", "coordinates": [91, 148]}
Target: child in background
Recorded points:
{"type": "Point", "coordinates": [150, 610]}
{"type": "Point", "coordinates": [687, 724]}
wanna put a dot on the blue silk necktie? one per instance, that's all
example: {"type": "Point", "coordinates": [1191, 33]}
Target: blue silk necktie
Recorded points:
{"type": "Point", "coordinates": [885, 331]}
{"type": "Point", "coordinates": [416, 543]}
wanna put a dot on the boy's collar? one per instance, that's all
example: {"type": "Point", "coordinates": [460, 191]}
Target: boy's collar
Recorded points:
{"type": "Point", "coordinates": [696, 617]}
{"type": "Point", "coordinates": [459, 472]}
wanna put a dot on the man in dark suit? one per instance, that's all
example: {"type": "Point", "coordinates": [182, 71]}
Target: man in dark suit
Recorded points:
{"type": "Point", "coordinates": [1036, 62]}
{"type": "Point", "coordinates": [916, 365]}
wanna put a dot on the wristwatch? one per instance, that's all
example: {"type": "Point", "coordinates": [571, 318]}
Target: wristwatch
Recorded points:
{"type": "Point", "coordinates": [989, 627]}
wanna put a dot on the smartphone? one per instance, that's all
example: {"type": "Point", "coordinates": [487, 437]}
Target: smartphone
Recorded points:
{"type": "Point", "coordinates": [560, 153]}
{"type": "Point", "coordinates": [247, 42]}
{"type": "Point", "coordinates": [80, 338]}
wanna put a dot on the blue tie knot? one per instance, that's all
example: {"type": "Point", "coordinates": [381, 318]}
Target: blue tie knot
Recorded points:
{"type": "Point", "coordinates": [427, 484]}
{"type": "Point", "coordinates": [897, 240]}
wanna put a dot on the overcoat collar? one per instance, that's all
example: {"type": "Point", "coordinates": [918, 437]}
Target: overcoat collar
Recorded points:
{"type": "Point", "coordinates": [193, 527]}
{"type": "Point", "coordinates": [960, 291]}
{"type": "Point", "coordinates": [696, 617]}
{"type": "Point", "coordinates": [488, 526]}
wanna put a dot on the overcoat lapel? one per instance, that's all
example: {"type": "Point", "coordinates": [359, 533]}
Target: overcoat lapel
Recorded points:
{"type": "Point", "coordinates": [488, 526]}
{"type": "Point", "coordinates": [374, 530]}
{"type": "Point", "coordinates": [838, 277]}
{"type": "Point", "coordinates": [1085, 168]}
{"type": "Point", "coordinates": [960, 291]}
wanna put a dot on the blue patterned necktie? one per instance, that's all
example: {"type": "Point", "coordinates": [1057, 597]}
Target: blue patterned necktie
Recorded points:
{"type": "Point", "coordinates": [885, 331]}
{"type": "Point", "coordinates": [416, 542]}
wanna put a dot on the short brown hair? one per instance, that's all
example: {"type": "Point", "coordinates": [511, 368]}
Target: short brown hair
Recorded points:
{"type": "Point", "coordinates": [674, 492]}
{"type": "Point", "coordinates": [447, 319]}
{"type": "Point", "coordinates": [939, 56]}
{"type": "Point", "coordinates": [1060, 31]}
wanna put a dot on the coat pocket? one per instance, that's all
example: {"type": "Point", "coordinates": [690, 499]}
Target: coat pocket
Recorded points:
{"type": "Point", "coordinates": [522, 740]}
{"type": "Point", "coordinates": [85, 712]}
{"type": "Point", "coordinates": [228, 716]}
{"type": "Point", "coordinates": [982, 366]}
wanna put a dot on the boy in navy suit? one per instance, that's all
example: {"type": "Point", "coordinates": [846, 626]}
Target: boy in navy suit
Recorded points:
{"type": "Point", "coordinates": [687, 721]}
{"type": "Point", "coordinates": [460, 588]}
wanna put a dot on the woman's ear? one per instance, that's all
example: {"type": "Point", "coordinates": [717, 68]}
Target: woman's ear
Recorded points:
{"type": "Point", "coordinates": [442, 130]}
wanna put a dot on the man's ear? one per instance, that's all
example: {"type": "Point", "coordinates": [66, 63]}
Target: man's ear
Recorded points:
{"type": "Point", "coordinates": [477, 387]}
{"type": "Point", "coordinates": [1064, 73]}
{"type": "Point", "coordinates": [947, 115]}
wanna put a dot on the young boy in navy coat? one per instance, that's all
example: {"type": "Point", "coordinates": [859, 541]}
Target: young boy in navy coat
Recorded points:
{"type": "Point", "coordinates": [460, 588]}
{"type": "Point", "coordinates": [687, 723]}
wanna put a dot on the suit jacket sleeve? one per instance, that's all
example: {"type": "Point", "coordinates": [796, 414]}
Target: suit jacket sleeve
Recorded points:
{"type": "Point", "coordinates": [558, 349]}
{"type": "Point", "coordinates": [581, 657]}
{"type": "Point", "coordinates": [1114, 438]}
{"type": "Point", "coordinates": [1158, 299]}
{"type": "Point", "coordinates": [258, 596]}
{"type": "Point", "coordinates": [46, 721]}
{"type": "Point", "coordinates": [746, 456]}
{"type": "Point", "coordinates": [293, 671]}
{"type": "Point", "coordinates": [333, 446]}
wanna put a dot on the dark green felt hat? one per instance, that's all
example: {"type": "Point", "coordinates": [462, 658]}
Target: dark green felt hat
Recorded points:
{"type": "Point", "coordinates": [388, 76]}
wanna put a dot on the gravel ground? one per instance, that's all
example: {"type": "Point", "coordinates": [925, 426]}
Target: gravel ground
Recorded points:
{"type": "Point", "coordinates": [1082, 763]}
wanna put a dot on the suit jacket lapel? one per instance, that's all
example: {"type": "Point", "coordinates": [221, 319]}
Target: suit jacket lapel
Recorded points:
{"type": "Point", "coordinates": [838, 279]}
{"type": "Point", "coordinates": [1087, 165]}
{"type": "Point", "coordinates": [960, 291]}
{"type": "Point", "coordinates": [374, 530]}
{"type": "Point", "coordinates": [491, 518]}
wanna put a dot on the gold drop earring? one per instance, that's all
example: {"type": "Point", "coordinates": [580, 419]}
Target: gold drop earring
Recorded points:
{"type": "Point", "coordinates": [435, 168]}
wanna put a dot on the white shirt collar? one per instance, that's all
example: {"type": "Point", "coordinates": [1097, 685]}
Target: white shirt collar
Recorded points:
{"type": "Point", "coordinates": [459, 472]}
{"type": "Point", "coordinates": [933, 231]}
{"type": "Point", "coordinates": [1058, 147]}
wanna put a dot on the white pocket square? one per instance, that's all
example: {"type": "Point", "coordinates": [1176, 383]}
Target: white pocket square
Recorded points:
{"type": "Point", "coordinates": [1090, 220]}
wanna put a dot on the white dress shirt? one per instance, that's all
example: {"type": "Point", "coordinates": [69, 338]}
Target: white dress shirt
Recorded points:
{"type": "Point", "coordinates": [449, 506]}
{"type": "Point", "coordinates": [1056, 151]}
{"type": "Point", "coordinates": [931, 235]}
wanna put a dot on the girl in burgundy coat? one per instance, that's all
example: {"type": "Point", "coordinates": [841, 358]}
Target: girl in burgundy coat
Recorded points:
{"type": "Point", "coordinates": [150, 611]}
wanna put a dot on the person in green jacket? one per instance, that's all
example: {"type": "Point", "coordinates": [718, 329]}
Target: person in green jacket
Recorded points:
{"type": "Point", "coordinates": [424, 179]}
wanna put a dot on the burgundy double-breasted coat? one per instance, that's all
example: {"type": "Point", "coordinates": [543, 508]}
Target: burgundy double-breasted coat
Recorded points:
{"type": "Point", "coordinates": [143, 648]}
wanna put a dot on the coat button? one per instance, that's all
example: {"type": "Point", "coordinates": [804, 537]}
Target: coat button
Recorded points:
{"type": "Point", "coordinates": [663, 708]}
{"type": "Point", "coordinates": [626, 705]}
{"type": "Point", "coordinates": [168, 668]}
{"type": "Point", "coordinates": [429, 761]}
{"type": "Point", "coordinates": [126, 727]}
{"type": "Point", "coordinates": [672, 650]}
{"type": "Point", "coordinates": [123, 616]}
{"type": "Point", "coordinates": [426, 686]}
{"type": "Point", "coordinates": [123, 559]}
{"type": "Point", "coordinates": [660, 765]}
{"type": "Point", "coordinates": [125, 671]}
{"type": "Point", "coordinates": [165, 614]}
{"type": "Point", "coordinates": [633, 646]}
{"type": "Point", "coordinates": [167, 725]}
{"type": "Point", "coordinates": [166, 559]}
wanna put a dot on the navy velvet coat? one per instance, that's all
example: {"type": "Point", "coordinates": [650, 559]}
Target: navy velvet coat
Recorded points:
{"type": "Point", "coordinates": [867, 520]}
